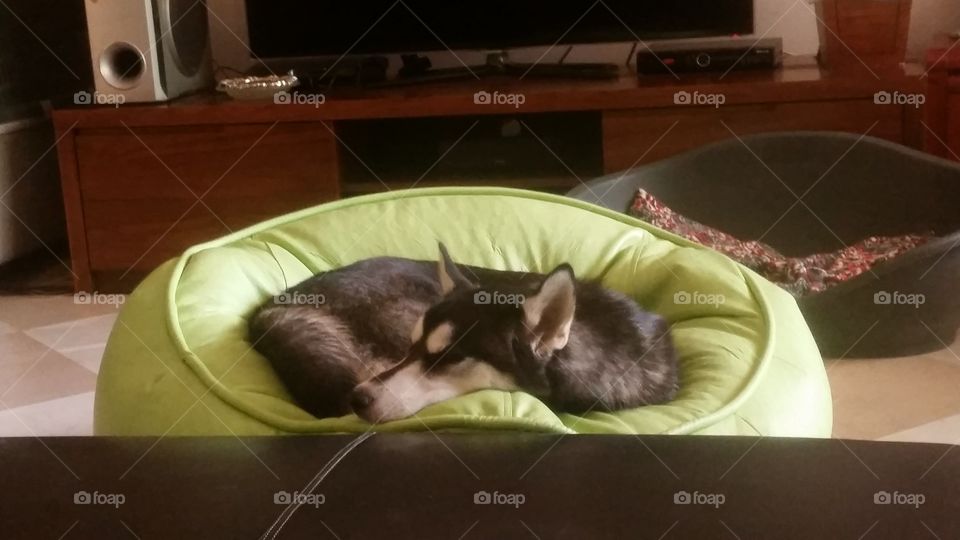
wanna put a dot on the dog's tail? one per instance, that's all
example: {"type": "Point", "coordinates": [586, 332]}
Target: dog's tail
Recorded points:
{"type": "Point", "coordinates": [312, 352]}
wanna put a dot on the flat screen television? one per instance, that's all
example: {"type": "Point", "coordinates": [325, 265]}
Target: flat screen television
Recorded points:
{"type": "Point", "coordinates": [317, 28]}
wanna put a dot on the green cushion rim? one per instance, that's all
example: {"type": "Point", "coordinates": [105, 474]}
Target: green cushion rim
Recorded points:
{"type": "Point", "coordinates": [445, 421]}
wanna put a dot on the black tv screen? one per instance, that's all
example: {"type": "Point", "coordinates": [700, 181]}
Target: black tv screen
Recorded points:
{"type": "Point", "coordinates": [288, 29]}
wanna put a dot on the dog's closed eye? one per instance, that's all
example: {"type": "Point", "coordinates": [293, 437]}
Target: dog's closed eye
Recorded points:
{"type": "Point", "coordinates": [417, 332]}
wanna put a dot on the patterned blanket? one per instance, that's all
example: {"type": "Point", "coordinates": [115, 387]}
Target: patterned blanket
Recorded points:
{"type": "Point", "coordinates": [798, 275]}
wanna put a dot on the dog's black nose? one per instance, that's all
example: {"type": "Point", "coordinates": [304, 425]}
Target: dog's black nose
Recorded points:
{"type": "Point", "coordinates": [360, 399]}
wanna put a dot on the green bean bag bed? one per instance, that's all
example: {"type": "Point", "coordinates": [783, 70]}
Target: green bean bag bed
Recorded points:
{"type": "Point", "coordinates": [179, 362]}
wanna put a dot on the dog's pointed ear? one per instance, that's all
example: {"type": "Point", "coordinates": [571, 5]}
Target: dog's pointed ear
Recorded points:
{"type": "Point", "coordinates": [548, 314]}
{"type": "Point", "coordinates": [450, 276]}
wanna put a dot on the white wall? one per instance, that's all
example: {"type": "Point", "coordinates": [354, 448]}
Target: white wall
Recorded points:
{"type": "Point", "coordinates": [792, 20]}
{"type": "Point", "coordinates": [929, 18]}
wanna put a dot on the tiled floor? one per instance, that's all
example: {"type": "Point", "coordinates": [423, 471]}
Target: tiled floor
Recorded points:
{"type": "Point", "coordinates": [902, 399]}
{"type": "Point", "coordinates": [50, 349]}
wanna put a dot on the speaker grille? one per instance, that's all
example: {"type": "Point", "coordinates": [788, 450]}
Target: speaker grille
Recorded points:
{"type": "Point", "coordinates": [186, 21]}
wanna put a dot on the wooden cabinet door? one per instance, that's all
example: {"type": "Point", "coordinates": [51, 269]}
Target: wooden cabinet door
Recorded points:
{"type": "Point", "coordinates": [149, 193]}
{"type": "Point", "coordinates": [635, 137]}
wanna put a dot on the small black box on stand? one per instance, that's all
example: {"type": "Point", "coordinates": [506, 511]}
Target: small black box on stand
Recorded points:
{"type": "Point", "coordinates": [660, 58]}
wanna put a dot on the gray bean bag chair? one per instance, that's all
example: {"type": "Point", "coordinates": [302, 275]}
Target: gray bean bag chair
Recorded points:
{"type": "Point", "coordinates": [849, 189]}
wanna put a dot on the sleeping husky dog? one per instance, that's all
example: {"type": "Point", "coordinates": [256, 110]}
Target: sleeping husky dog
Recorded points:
{"type": "Point", "coordinates": [385, 337]}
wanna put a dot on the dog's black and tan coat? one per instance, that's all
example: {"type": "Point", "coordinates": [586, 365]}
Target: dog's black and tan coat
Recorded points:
{"type": "Point", "coordinates": [394, 335]}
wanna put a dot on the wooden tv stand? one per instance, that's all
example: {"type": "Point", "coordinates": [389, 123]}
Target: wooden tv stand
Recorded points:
{"type": "Point", "coordinates": [141, 182]}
